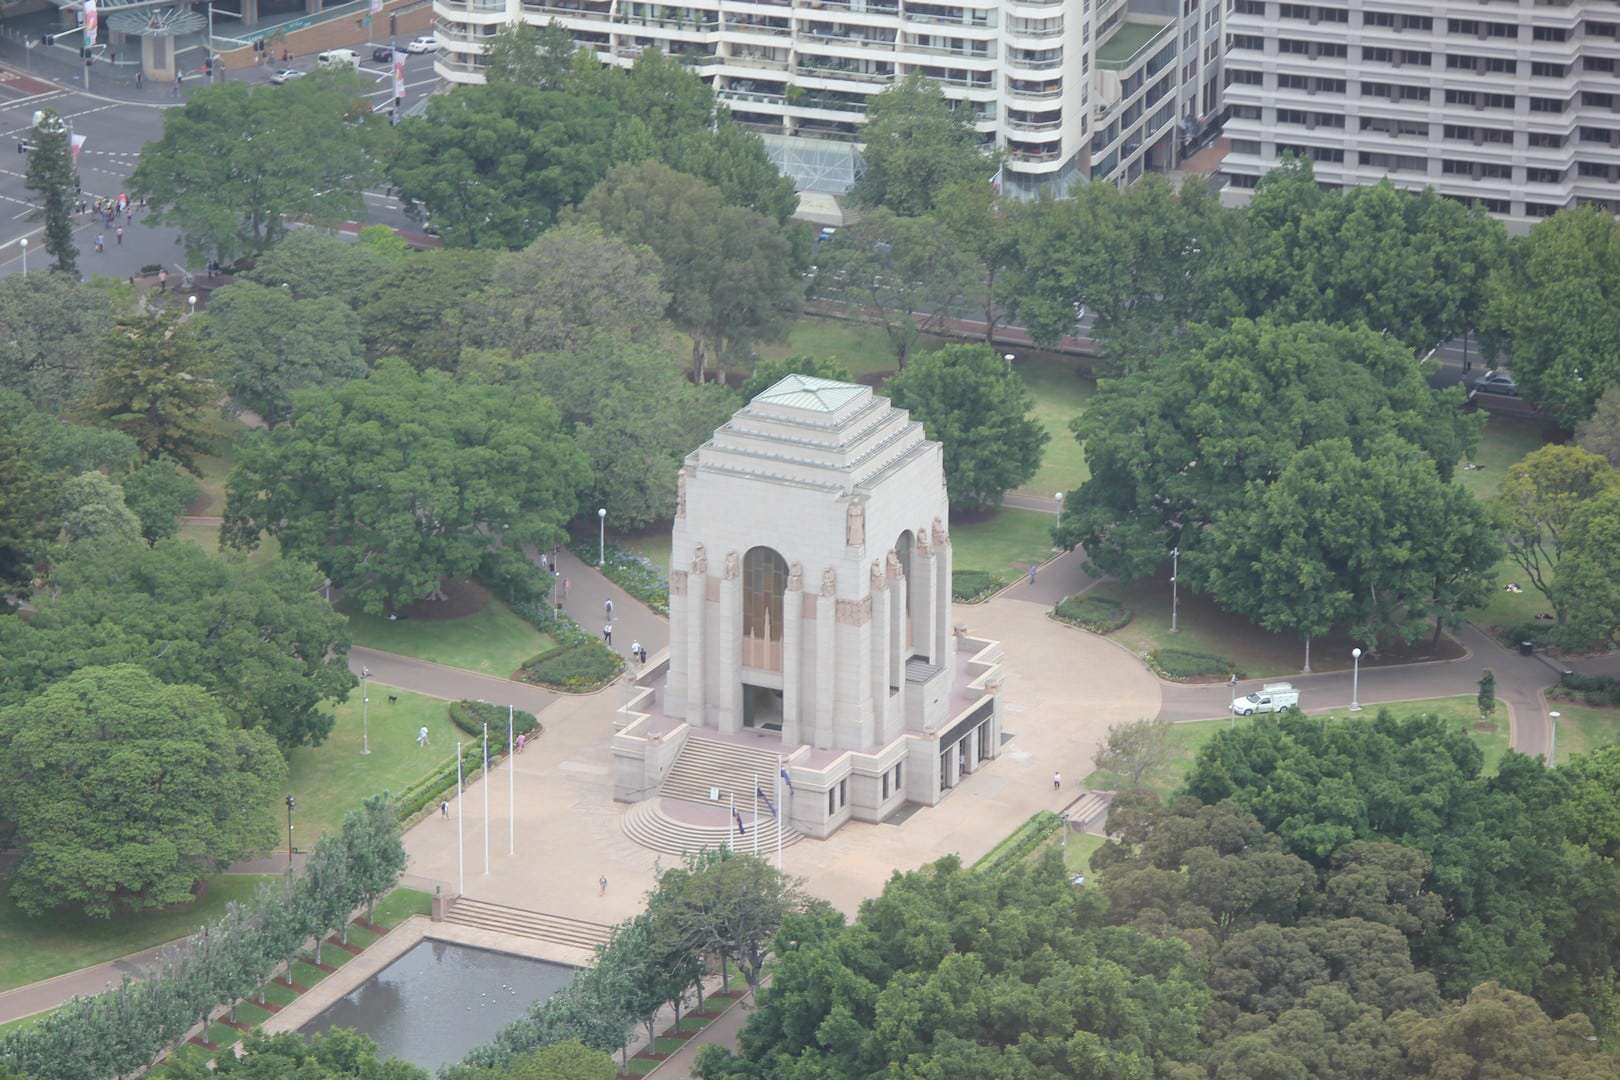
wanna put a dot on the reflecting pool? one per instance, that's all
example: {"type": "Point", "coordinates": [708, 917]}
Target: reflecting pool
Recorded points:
{"type": "Point", "coordinates": [439, 1000]}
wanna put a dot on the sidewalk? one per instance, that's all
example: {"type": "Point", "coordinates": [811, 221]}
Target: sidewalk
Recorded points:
{"type": "Point", "coordinates": [632, 620]}
{"type": "Point", "coordinates": [723, 1032]}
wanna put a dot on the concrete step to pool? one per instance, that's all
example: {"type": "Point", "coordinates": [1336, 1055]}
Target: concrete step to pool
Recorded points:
{"type": "Point", "coordinates": [580, 933]}
{"type": "Point", "coordinates": [677, 826]}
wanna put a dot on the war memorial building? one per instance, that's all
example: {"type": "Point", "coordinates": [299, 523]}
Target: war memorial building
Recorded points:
{"type": "Point", "coordinates": [810, 632]}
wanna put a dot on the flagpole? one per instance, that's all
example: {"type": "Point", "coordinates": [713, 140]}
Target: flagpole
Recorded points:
{"type": "Point", "coordinates": [461, 817]}
{"type": "Point", "coordinates": [511, 787]}
{"type": "Point", "coordinates": [781, 812]}
{"type": "Point", "coordinates": [731, 832]}
{"type": "Point", "coordinates": [486, 796]}
{"type": "Point", "coordinates": [756, 815]}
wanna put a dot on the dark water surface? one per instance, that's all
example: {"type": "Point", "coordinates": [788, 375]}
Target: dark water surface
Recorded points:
{"type": "Point", "coordinates": [439, 1000]}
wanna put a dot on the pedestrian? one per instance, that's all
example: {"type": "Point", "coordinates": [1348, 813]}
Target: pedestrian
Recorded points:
{"type": "Point", "coordinates": [119, 236]}
{"type": "Point", "coordinates": [545, 564]}
{"type": "Point", "coordinates": [607, 633]}
{"type": "Point", "coordinates": [444, 807]}
{"type": "Point", "coordinates": [635, 650]}
{"type": "Point", "coordinates": [137, 78]}
{"type": "Point", "coordinates": [1057, 780]}
{"type": "Point", "coordinates": [422, 737]}
{"type": "Point", "coordinates": [565, 587]}
{"type": "Point", "coordinates": [1032, 573]}
{"type": "Point", "coordinates": [601, 885]}
{"type": "Point", "coordinates": [521, 741]}
{"type": "Point", "coordinates": [101, 243]}
{"type": "Point", "coordinates": [163, 281]}
{"type": "Point", "coordinates": [607, 607]}
{"type": "Point", "coordinates": [177, 84]}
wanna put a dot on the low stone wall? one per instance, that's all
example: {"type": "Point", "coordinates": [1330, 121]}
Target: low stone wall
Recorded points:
{"type": "Point", "coordinates": [348, 31]}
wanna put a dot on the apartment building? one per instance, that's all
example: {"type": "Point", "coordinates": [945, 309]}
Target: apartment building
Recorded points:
{"type": "Point", "coordinates": [1071, 90]}
{"type": "Point", "coordinates": [1511, 104]}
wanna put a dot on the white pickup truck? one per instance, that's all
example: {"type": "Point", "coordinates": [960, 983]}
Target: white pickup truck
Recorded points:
{"type": "Point", "coordinates": [1272, 697]}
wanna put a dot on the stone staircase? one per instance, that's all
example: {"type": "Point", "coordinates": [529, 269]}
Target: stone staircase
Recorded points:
{"type": "Point", "coordinates": [579, 933]}
{"type": "Point", "coordinates": [648, 825]}
{"type": "Point", "coordinates": [1089, 811]}
{"type": "Point", "coordinates": [706, 763]}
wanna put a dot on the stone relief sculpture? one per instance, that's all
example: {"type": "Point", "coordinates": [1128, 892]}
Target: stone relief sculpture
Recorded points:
{"type": "Point", "coordinates": [939, 533]}
{"type": "Point", "coordinates": [796, 578]}
{"type": "Point", "coordinates": [733, 568]}
{"type": "Point", "coordinates": [855, 524]}
{"type": "Point", "coordinates": [891, 565]}
{"type": "Point", "coordinates": [680, 493]}
{"type": "Point", "coordinates": [829, 582]}
{"type": "Point", "coordinates": [877, 575]}
{"type": "Point", "coordinates": [700, 561]}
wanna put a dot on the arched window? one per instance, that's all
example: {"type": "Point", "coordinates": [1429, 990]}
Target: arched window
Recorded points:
{"type": "Point", "coordinates": [765, 576]}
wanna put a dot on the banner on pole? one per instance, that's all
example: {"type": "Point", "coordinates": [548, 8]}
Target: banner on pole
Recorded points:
{"type": "Point", "coordinates": [78, 144]}
{"type": "Point", "coordinates": [89, 22]}
{"type": "Point", "coordinates": [399, 74]}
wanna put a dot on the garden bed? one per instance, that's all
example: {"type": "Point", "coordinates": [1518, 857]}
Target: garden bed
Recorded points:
{"type": "Point", "coordinates": [635, 574]}
{"type": "Point", "coordinates": [580, 668]}
{"type": "Point", "coordinates": [1093, 613]}
{"type": "Point", "coordinates": [1185, 665]}
{"type": "Point", "coordinates": [972, 586]}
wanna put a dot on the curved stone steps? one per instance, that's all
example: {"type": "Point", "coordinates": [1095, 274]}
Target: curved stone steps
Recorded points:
{"type": "Point", "coordinates": [648, 825]}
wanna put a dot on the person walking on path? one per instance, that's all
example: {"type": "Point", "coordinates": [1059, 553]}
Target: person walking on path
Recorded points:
{"type": "Point", "coordinates": [607, 607]}
{"type": "Point", "coordinates": [119, 236]}
{"type": "Point", "coordinates": [522, 741]}
{"type": "Point", "coordinates": [1032, 573]}
{"type": "Point", "coordinates": [422, 737]}
{"type": "Point", "coordinates": [607, 634]}
{"type": "Point", "coordinates": [601, 885]}
{"type": "Point", "coordinates": [137, 78]}
{"type": "Point", "coordinates": [444, 808]}
{"type": "Point", "coordinates": [101, 243]}
{"type": "Point", "coordinates": [1057, 780]}
{"type": "Point", "coordinates": [177, 84]}
{"type": "Point", "coordinates": [637, 652]}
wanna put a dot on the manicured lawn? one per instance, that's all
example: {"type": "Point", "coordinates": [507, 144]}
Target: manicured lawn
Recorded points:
{"type": "Point", "coordinates": [13, 1025]}
{"type": "Point", "coordinates": [207, 538]}
{"type": "Point", "coordinates": [492, 640]}
{"type": "Point", "coordinates": [1060, 394]}
{"type": "Point", "coordinates": [1081, 847]}
{"type": "Point", "coordinates": [1584, 727]}
{"type": "Point", "coordinates": [331, 779]}
{"type": "Point", "coordinates": [1258, 654]}
{"type": "Point", "coordinates": [651, 544]}
{"type": "Point", "coordinates": [1508, 608]}
{"type": "Point", "coordinates": [1504, 441]}
{"type": "Point", "coordinates": [1185, 740]}
{"type": "Point", "coordinates": [34, 949]}
{"type": "Point", "coordinates": [400, 905]}
{"type": "Point", "coordinates": [861, 347]}
{"type": "Point", "coordinates": [1004, 542]}
{"type": "Point", "coordinates": [224, 432]}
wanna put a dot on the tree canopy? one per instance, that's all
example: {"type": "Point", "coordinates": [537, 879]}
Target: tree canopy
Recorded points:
{"type": "Point", "coordinates": [125, 790]}
{"type": "Point", "coordinates": [917, 143]}
{"type": "Point", "coordinates": [50, 175]}
{"type": "Point", "coordinates": [271, 343]}
{"type": "Point", "coordinates": [157, 387]}
{"type": "Point", "coordinates": [256, 635]}
{"type": "Point", "coordinates": [53, 334]}
{"type": "Point", "coordinates": [394, 482]}
{"type": "Point", "coordinates": [977, 407]}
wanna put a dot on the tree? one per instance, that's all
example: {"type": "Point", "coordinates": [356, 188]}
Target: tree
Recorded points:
{"type": "Point", "coordinates": [728, 270]}
{"type": "Point", "coordinates": [985, 227]}
{"type": "Point", "coordinates": [158, 493]}
{"type": "Point", "coordinates": [125, 790]}
{"type": "Point", "coordinates": [53, 332]}
{"type": "Point", "coordinates": [907, 272]}
{"type": "Point", "coordinates": [338, 1054]}
{"type": "Point", "coordinates": [569, 1060]}
{"type": "Point", "coordinates": [491, 167]}
{"type": "Point", "coordinates": [1171, 447]}
{"type": "Point", "coordinates": [317, 263]}
{"type": "Point", "coordinates": [917, 144]}
{"type": "Point", "coordinates": [418, 310]}
{"type": "Point", "coordinates": [573, 284]}
{"type": "Point", "coordinates": [374, 852]}
{"type": "Point", "coordinates": [27, 520]}
{"type": "Point", "coordinates": [57, 447]}
{"type": "Point", "coordinates": [258, 636]}
{"type": "Point", "coordinates": [1600, 433]}
{"type": "Point", "coordinates": [1555, 309]}
{"type": "Point", "coordinates": [50, 175]}
{"type": "Point", "coordinates": [270, 344]}
{"type": "Point", "coordinates": [157, 388]}
{"type": "Point", "coordinates": [93, 509]}
{"type": "Point", "coordinates": [1499, 1033]}
{"type": "Point", "coordinates": [972, 402]}
{"type": "Point", "coordinates": [724, 903]}
{"type": "Point", "coordinates": [392, 483]}
{"type": "Point", "coordinates": [1587, 579]}
{"type": "Point", "coordinates": [1487, 694]}
{"type": "Point", "coordinates": [523, 54]}
{"type": "Point", "coordinates": [237, 161]}
{"type": "Point", "coordinates": [767, 373]}
{"type": "Point", "coordinates": [1134, 749]}
{"type": "Point", "coordinates": [1537, 501]}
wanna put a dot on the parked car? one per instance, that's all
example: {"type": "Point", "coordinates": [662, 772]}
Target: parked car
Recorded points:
{"type": "Point", "coordinates": [425, 44]}
{"type": "Point", "coordinates": [1272, 697]}
{"type": "Point", "coordinates": [338, 58]}
{"type": "Point", "coordinates": [383, 54]}
{"type": "Point", "coordinates": [1496, 382]}
{"type": "Point", "coordinates": [287, 75]}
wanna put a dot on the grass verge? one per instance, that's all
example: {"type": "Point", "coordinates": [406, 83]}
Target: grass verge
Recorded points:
{"type": "Point", "coordinates": [1003, 542]}
{"type": "Point", "coordinates": [1584, 727]}
{"type": "Point", "coordinates": [492, 640]}
{"type": "Point", "coordinates": [1061, 389]}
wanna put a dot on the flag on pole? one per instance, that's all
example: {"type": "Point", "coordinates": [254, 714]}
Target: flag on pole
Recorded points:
{"type": "Point", "coordinates": [89, 23]}
{"type": "Point", "coordinates": [760, 793]}
{"type": "Point", "coordinates": [737, 817]}
{"type": "Point", "coordinates": [78, 144]}
{"type": "Point", "coordinates": [399, 75]}
{"type": "Point", "coordinates": [376, 7]}
{"type": "Point", "coordinates": [786, 779]}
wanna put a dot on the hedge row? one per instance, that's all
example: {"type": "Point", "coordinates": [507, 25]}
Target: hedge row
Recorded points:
{"type": "Point", "coordinates": [578, 668]}
{"type": "Point", "coordinates": [971, 586]}
{"type": "Point", "coordinates": [633, 573]}
{"type": "Point", "coordinates": [1093, 613]}
{"type": "Point", "coordinates": [471, 716]}
{"type": "Point", "coordinates": [1587, 689]}
{"type": "Point", "coordinates": [1186, 664]}
{"type": "Point", "coordinates": [431, 788]}
{"type": "Point", "coordinates": [1025, 839]}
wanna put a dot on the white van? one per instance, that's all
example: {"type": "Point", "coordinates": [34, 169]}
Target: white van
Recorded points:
{"type": "Point", "coordinates": [1272, 697]}
{"type": "Point", "coordinates": [338, 58]}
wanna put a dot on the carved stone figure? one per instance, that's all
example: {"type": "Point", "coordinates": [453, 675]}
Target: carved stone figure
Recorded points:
{"type": "Point", "coordinates": [855, 524]}
{"type": "Point", "coordinates": [924, 549]}
{"type": "Point", "coordinates": [680, 493]}
{"type": "Point", "coordinates": [796, 578]}
{"type": "Point", "coordinates": [939, 533]}
{"type": "Point", "coordinates": [700, 561]}
{"type": "Point", "coordinates": [877, 575]}
{"type": "Point", "coordinates": [733, 566]}
{"type": "Point", "coordinates": [891, 565]}
{"type": "Point", "coordinates": [829, 582]}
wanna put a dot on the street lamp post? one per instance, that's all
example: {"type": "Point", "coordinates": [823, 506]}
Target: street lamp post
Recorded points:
{"type": "Point", "coordinates": [1355, 679]}
{"type": "Point", "coordinates": [24, 242]}
{"type": "Point", "coordinates": [365, 710]}
{"type": "Point", "coordinates": [1059, 496]}
{"type": "Point", "coordinates": [289, 833]}
{"type": "Point", "coordinates": [1175, 596]}
{"type": "Point", "coordinates": [192, 301]}
{"type": "Point", "coordinates": [601, 536]}
{"type": "Point", "coordinates": [1552, 739]}
{"type": "Point", "coordinates": [1231, 706]}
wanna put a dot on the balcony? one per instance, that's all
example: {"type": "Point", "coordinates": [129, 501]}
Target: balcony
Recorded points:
{"type": "Point", "coordinates": [936, 50]}
{"type": "Point", "coordinates": [747, 97]}
{"type": "Point", "coordinates": [1034, 156]}
{"type": "Point", "coordinates": [1131, 44]}
{"type": "Point", "coordinates": [1026, 63]}
{"type": "Point", "coordinates": [571, 11]}
{"type": "Point", "coordinates": [849, 41]}
{"type": "Point", "coordinates": [889, 9]}
{"type": "Point", "coordinates": [833, 72]}
{"type": "Point", "coordinates": [753, 60]}
{"type": "Point", "coordinates": [1034, 125]}
{"type": "Point", "coordinates": [697, 25]}
{"type": "Point", "coordinates": [1046, 92]}
{"type": "Point", "coordinates": [949, 20]}
{"type": "Point", "coordinates": [1014, 30]}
